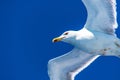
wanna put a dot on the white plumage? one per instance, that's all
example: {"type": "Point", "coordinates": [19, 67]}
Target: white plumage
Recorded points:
{"type": "Point", "coordinates": [101, 15]}
{"type": "Point", "coordinates": [95, 39]}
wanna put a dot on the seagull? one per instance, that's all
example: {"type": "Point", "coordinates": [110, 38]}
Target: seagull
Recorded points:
{"type": "Point", "coordinates": [97, 38]}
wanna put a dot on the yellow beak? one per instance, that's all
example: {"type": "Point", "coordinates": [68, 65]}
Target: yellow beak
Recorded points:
{"type": "Point", "coordinates": [57, 39]}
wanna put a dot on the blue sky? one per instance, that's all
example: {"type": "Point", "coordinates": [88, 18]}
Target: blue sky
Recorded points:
{"type": "Point", "coordinates": [27, 28]}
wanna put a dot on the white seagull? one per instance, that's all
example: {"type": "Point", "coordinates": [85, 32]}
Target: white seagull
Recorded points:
{"type": "Point", "coordinates": [97, 38]}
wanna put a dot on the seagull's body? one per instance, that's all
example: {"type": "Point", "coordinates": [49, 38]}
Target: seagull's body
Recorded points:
{"type": "Point", "coordinates": [97, 43]}
{"type": "Point", "coordinates": [97, 38]}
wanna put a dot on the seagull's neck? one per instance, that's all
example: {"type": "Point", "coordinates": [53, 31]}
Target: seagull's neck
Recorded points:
{"type": "Point", "coordinates": [71, 41]}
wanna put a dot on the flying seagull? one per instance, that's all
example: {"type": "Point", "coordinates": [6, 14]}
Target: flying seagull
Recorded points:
{"type": "Point", "coordinates": [96, 38]}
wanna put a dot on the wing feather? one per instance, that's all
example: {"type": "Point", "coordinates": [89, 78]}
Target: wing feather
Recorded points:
{"type": "Point", "coordinates": [101, 15]}
{"type": "Point", "coordinates": [72, 62]}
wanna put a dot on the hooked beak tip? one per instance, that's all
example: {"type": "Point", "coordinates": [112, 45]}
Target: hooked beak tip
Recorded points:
{"type": "Point", "coordinates": [54, 40]}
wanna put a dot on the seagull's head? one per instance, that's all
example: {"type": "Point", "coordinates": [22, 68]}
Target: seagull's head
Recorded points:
{"type": "Point", "coordinates": [67, 36]}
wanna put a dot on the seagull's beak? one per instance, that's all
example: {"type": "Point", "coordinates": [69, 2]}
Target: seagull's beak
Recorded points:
{"type": "Point", "coordinates": [57, 39]}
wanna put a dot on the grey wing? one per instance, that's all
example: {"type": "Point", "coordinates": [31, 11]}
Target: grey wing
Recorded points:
{"type": "Point", "coordinates": [67, 66]}
{"type": "Point", "coordinates": [101, 15]}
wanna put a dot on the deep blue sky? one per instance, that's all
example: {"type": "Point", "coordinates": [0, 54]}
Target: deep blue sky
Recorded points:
{"type": "Point", "coordinates": [26, 30]}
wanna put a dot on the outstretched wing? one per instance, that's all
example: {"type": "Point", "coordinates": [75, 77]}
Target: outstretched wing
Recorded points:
{"type": "Point", "coordinates": [81, 61]}
{"type": "Point", "coordinates": [72, 62]}
{"type": "Point", "coordinates": [101, 15]}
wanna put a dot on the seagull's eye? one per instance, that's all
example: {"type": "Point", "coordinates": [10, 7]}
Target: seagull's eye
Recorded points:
{"type": "Point", "coordinates": [66, 33]}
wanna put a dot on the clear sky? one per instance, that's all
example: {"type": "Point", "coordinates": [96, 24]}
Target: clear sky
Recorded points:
{"type": "Point", "coordinates": [26, 30]}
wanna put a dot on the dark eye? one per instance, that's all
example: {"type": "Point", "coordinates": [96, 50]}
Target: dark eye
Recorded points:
{"type": "Point", "coordinates": [66, 33]}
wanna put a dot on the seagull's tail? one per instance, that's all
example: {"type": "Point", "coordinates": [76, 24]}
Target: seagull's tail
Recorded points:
{"type": "Point", "coordinates": [118, 56]}
{"type": "Point", "coordinates": [117, 43]}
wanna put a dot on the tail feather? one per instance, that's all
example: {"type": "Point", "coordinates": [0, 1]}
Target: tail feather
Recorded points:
{"type": "Point", "coordinates": [118, 56]}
